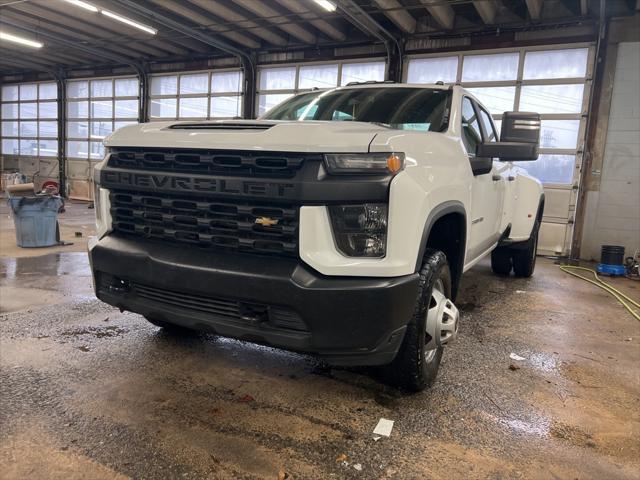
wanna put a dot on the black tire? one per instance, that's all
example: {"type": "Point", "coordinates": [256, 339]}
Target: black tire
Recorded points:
{"type": "Point", "coordinates": [524, 259]}
{"type": "Point", "coordinates": [410, 369]}
{"type": "Point", "coordinates": [501, 261]}
{"type": "Point", "coordinates": [169, 327]}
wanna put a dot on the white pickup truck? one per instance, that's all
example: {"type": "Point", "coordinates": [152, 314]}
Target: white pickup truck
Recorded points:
{"type": "Point", "coordinates": [338, 224]}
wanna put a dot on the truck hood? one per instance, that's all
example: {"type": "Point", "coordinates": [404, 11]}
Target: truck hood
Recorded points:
{"type": "Point", "coordinates": [259, 135]}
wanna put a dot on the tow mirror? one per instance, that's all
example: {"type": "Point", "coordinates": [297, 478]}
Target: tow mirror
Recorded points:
{"type": "Point", "coordinates": [519, 138]}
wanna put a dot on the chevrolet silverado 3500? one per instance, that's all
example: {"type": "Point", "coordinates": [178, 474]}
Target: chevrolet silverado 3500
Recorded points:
{"type": "Point", "coordinates": [338, 224]}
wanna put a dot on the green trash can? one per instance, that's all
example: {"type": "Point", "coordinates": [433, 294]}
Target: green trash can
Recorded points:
{"type": "Point", "coordinates": [36, 220]}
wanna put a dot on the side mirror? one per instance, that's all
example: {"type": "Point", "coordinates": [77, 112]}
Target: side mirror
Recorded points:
{"type": "Point", "coordinates": [519, 138]}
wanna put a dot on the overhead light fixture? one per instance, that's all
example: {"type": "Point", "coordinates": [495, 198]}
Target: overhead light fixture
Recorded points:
{"type": "Point", "coordinates": [327, 5]}
{"type": "Point", "coordinates": [128, 21]}
{"type": "Point", "coordinates": [81, 4]}
{"type": "Point", "coordinates": [22, 41]}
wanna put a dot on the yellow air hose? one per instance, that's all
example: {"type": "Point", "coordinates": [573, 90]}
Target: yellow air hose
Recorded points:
{"type": "Point", "coordinates": [621, 297]}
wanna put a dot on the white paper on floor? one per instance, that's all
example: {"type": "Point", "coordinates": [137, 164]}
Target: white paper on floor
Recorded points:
{"type": "Point", "coordinates": [383, 428]}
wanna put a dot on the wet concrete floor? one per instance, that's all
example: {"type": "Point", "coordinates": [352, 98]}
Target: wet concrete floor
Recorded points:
{"type": "Point", "coordinates": [87, 392]}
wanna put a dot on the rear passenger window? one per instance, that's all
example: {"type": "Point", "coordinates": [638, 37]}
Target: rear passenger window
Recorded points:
{"type": "Point", "coordinates": [489, 130]}
{"type": "Point", "coordinates": [471, 135]}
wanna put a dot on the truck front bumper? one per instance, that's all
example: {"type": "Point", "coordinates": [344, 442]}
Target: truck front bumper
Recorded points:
{"type": "Point", "coordinates": [268, 300]}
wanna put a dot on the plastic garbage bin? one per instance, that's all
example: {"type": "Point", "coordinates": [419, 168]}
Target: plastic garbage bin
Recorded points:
{"type": "Point", "coordinates": [36, 220]}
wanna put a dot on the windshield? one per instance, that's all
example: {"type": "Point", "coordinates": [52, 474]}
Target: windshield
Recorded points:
{"type": "Point", "coordinates": [402, 108]}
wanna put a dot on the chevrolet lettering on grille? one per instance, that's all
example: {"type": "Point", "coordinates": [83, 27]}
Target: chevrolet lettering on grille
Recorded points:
{"type": "Point", "coordinates": [176, 183]}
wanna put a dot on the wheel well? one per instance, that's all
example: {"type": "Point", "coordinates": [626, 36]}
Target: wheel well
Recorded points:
{"type": "Point", "coordinates": [448, 234]}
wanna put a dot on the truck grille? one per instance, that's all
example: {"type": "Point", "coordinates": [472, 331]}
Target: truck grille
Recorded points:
{"type": "Point", "coordinates": [207, 222]}
{"type": "Point", "coordinates": [202, 161]}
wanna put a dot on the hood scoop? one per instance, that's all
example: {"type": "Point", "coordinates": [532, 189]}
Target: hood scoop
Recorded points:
{"type": "Point", "coordinates": [221, 126]}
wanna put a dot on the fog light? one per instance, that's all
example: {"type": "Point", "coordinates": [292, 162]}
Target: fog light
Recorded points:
{"type": "Point", "coordinates": [360, 230]}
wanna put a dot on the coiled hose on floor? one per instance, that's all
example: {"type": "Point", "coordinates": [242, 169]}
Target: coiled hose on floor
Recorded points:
{"type": "Point", "coordinates": [621, 297]}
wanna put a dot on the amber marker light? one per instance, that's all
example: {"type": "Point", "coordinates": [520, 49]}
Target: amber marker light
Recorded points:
{"type": "Point", "coordinates": [395, 163]}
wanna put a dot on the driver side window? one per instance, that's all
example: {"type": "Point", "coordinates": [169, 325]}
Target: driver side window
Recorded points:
{"type": "Point", "coordinates": [471, 135]}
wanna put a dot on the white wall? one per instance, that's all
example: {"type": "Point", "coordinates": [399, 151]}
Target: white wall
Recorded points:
{"type": "Point", "coordinates": [613, 212]}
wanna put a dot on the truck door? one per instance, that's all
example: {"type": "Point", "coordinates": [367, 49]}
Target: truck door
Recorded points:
{"type": "Point", "coordinates": [504, 169]}
{"type": "Point", "coordinates": [487, 187]}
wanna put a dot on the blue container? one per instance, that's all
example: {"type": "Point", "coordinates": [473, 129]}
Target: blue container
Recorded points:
{"type": "Point", "coordinates": [36, 220]}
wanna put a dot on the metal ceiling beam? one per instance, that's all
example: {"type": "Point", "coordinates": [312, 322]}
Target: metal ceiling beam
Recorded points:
{"type": "Point", "coordinates": [97, 25]}
{"type": "Point", "coordinates": [58, 23]}
{"type": "Point", "coordinates": [239, 21]}
{"type": "Point", "coordinates": [209, 23]}
{"type": "Point", "coordinates": [245, 59]}
{"type": "Point", "coordinates": [262, 9]}
{"type": "Point", "coordinates": [441, 12]}
{"type": "Point", "coordinates": [535, 8]}
{"type": "Point", "coordinates": [303, 12]}
{"type": "Point", "coordinates": [72, 44]}
{"type": "Point", "coordinates": [398, 15]}
{"type": "Point", "coordinates": [487, 9]}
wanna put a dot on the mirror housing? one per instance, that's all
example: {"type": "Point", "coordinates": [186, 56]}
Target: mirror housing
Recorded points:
{"type": "Point", "coordinates": [519, 138]}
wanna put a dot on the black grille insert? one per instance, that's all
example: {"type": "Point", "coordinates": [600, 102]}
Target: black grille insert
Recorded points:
{"type": "Point", "coordinates": [202, 161]}
{"type": "Point", "coordinates": [207, 222]}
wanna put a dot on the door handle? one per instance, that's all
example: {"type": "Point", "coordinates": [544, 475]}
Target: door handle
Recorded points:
{"type": "Point", "coordinates": [511, 179]}
{"type": "Point", "coordinates": [496, 178]}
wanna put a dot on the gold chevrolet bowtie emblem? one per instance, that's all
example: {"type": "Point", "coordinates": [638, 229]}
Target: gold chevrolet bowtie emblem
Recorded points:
{"type": "Point", "coordinates": [266, 221]}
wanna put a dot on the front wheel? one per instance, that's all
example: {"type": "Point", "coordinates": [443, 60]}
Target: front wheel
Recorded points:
{"type": "Point", "coordinates": [434, 323]}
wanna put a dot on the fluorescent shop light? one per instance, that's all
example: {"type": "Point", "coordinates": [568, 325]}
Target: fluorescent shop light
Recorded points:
{"type": "Point", "coordinates": [128, 21]}
{"type": "Point", "coordinates": [81, 4]}
{"type": "Point", "coordinates": [327, 5]}
{"type": "Point", "coordinates": [22, 41]}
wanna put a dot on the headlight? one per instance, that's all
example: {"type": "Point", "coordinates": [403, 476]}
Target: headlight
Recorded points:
{"type": "Point", "coordinates": [372, 163]}
{"type": "Point", "coordinates": [360, 230]}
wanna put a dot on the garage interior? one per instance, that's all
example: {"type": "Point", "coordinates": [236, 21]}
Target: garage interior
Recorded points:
{"type": "Point", "coordinates": [543, 380]}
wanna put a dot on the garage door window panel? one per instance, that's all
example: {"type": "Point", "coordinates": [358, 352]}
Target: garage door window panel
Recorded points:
{"type": "Point", "coordinates": [497, 99]}
{"type": "Point", "coordinates": [552, 169]}
{"type": "Point", "coordinates": [225, 107]}
{"type": "Point", "coordinates": [193, 107]}
{"type": "Point", "coordinates": [10, 93]}
{"type": "Point", "coordinates": [362, 72]}
{"type": "Point", "coordinates": [549, 64]}
{"type": "Point", "coordinates": [29, 129]}
{"type": "Point", "coordinates": [552, 98]}
{"type": "Point", "coordinates": [194, 84]}
{"type": "Point", "coordinates": [320, 76]}
{"type": "Point", "coordinates": [163, 108]}
{"type": "Point", "coordinates": [101, 88]}
{"type": "Point", "coordinates": [561, 134]}
{"type": "Point", "coordinates": [432, 70]}
{"type": "Point", "coordinates": [48, 148]}
{"type": "Point", "coordinates": [490, 68]}
{"type": "Point", "coordinates": [166, 85]}
{"type": "Point", "coordinates": [10, 129]}
{"type": "Point", "coordinates": [48, 129]}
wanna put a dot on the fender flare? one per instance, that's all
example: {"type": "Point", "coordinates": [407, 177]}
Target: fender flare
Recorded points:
{"type": "Point", "coordinates": [445, 208]}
